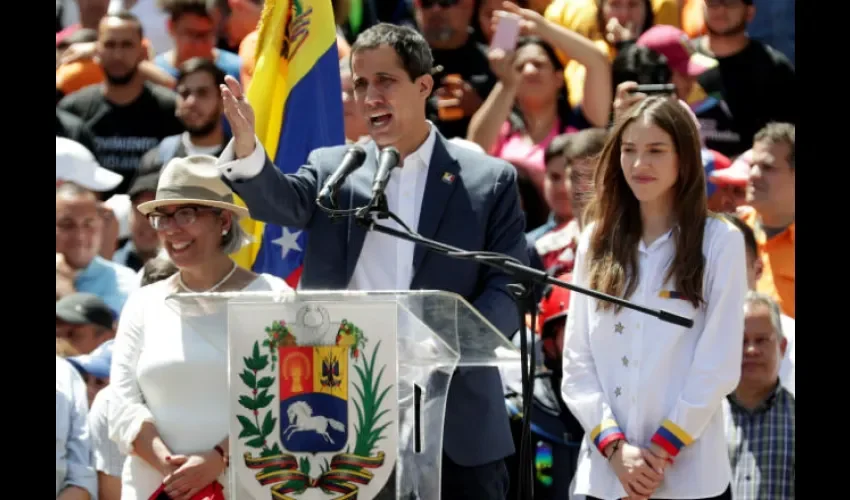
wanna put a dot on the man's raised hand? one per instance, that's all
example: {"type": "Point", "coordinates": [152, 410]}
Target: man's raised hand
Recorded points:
{"type": "Point", "coordinates": [240, 115]}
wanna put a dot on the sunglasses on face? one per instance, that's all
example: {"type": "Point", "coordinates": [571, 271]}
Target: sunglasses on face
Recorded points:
{"type": "Point", "coordinates": [723, 3]}
{"type": "Point", "coordinates": [427, 4]}
{"type": "Point", "coordinates": [183, 217]}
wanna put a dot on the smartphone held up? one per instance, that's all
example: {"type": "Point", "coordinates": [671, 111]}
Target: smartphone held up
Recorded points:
{"type": "Point", "coordinates": [507, 31]}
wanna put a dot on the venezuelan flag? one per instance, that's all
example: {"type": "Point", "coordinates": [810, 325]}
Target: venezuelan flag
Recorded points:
{"type": "Point", "coordinates": [296, 96]}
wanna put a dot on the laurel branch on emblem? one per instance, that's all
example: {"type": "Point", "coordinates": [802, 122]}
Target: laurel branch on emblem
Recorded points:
{"type": "Point", "coordinates": [288, 473]}
{"type": "Point", "coordinates": [279, 335]}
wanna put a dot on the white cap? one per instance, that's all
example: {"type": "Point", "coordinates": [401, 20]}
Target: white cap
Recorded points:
{"type": "Point", "coordinates": [75, 163]}
{"type": "Point", "coordinates": [121, 207]}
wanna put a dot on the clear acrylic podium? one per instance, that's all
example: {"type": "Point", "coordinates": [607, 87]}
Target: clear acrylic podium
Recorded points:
{"type": "Point", "coordinates": [338, 395]}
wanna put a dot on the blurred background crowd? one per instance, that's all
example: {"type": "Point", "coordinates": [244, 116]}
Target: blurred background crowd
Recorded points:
{"type": "Point", "coordinates": [137, 84]}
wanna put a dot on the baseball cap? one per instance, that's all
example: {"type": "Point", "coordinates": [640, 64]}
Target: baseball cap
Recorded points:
{"type": "Point", "coordinates": [97, 363]}
{"type": "Point", "coordinates": [555, 302]}
{"type": "Point", "coordinates": [712, 162]}
{"type": "Point", "coordinates": [143, 183]}
{"type": "Point", "coordinates": [738, 173]}
{"type": "Point", "coordinates": [672, 43]}
{"type": "Point", "coordinates": [84, 308]}
{"type": "Point", "coordinates": [121, 206]}
{"type": "Point", "coordinates": [77, 164]}
{"type": "Point", "coordinates": [146, 179]}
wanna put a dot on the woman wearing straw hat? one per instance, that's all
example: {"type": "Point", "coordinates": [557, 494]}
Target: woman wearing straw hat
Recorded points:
{"type": "Point", "coordinates": [169, 371]}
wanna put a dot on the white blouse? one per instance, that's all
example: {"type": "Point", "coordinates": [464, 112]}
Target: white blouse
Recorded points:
{"type": "Point", "coordinates": [630, 375]}
{"type": "Point", "coordinates": [169, 367]}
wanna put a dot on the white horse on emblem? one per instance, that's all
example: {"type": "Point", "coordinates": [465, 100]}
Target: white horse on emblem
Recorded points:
{"type": "Point", "coordinates": [301, 418]}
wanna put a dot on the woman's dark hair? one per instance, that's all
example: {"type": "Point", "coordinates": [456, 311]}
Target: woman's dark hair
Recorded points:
{"type": "Point", "coordinates": [612, 256]}
{"type": "Point", "coordinates": [565, 113]}
{"type": "Point", "coordinates": [636, 63]}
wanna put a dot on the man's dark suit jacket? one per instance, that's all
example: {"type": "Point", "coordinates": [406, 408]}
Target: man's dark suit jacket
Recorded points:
{"type": "Point", "coordinates": [478, 210]}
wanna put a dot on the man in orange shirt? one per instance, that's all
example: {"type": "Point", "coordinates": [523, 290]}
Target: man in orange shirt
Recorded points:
{"type": "Point", "coordinates": [771, 210]}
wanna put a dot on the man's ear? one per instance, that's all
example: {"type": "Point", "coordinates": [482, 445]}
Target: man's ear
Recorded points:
{"type": "Point", "coordinates": [426, 85]}
{"type": "Point", "coordinates": [783, 345]}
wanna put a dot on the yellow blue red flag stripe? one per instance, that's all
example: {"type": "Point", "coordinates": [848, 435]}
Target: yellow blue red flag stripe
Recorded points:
{"type": "Point", "coordinates": [296, 96]}
{"type": "Point", "coordinates": [672, 438]}
{"type": "Point", "coordinates": [606, 433]}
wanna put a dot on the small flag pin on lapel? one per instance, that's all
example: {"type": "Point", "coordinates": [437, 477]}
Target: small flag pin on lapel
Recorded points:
{"type": "Point", "coordinates": [448, 178]}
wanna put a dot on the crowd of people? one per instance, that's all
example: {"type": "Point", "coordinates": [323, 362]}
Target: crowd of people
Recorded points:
{"type": "Point", "coordinates": [596, 146]}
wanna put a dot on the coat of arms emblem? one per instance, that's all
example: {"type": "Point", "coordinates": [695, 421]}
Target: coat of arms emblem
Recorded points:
{"type": "Point", "coordinates": [318, 416]}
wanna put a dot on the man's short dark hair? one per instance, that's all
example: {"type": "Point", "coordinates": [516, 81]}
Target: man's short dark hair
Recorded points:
{"type": "Point", "coordinates": [636, 63]}
{"type": "Point", "coordinates": [129, 17]}
{"type": "Point", "coordinates": [177, 8]}
{"type": "Point", "coordinates": [157, 269]}
{"type": "Point", "coordinates": [779, 133]}
{"type": "Point", "coordinates": [749, 235]}
{"type": "Point", "coordinates": [200, 65]}
{"type": "Point", "coordinates": [556, 147]}
{"type": "Point", "coordinates": [587, 143]}
{"type": "Point", "coordinates": [409, 44]}
{"type": "Point", "coordinates": [82, 35]}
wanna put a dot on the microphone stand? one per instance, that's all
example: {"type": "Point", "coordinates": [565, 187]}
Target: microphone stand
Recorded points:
{"type": "Point", "coordinates": [510, 266]}
{"type": "Point", "coordinates": [527, 278]}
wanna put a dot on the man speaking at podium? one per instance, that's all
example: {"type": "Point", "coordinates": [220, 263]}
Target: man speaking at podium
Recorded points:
{"type": "Point", "coordinates": [451, 194]}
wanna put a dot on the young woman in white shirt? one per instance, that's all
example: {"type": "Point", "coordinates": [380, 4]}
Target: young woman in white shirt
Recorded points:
{"type": "Point", "coordinates": [169, 368]}
{"type": "Point", "coordinates": [648, 392]}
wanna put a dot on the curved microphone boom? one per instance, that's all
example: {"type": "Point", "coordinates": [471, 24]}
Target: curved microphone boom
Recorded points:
{"type": "Point", "coordinates": [352, 160]}
{"type": "Point", "coordinates": [387, 161]}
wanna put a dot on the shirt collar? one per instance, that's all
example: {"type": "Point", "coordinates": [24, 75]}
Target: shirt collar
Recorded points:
{"type": "Point", "coordinates": [425, 150]}
{"type": "Point", "coordinates": [91, 270]}
{"type": "Point", "coordinates": [762, 407]}
{"type": "Point", "coordinates": [657, 243]}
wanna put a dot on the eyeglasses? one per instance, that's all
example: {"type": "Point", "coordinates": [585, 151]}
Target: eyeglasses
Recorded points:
{"type": "Point", "coordinates": [427, 4]}
{"type": "Point", "coordinates": [183, 217]}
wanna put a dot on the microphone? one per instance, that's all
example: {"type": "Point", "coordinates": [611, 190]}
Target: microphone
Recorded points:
{"type": "Point", "coordinates": [386, 163]}
{"type": "Point", "coordinates": [352, 160]}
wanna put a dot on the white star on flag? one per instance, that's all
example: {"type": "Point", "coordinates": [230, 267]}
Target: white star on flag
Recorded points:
{"type": "Point", "coordinates": [288, 241]}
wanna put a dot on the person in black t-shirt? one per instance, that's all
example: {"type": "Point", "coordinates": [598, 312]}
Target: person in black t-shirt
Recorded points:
{"type": "Point", "coordinates": [465, 79]}
{"type": "Point", "coordinates": [127, 115]}
{"type": "Point", "coordinates": [200, 110]}
{"type": "Point", "coordinates": [753, 84]}
{"type": "Point", "coordinates": [71, 127]}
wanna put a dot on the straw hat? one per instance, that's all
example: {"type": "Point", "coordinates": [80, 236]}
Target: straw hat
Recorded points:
{"type": "Point", "coordinates": [193, 180]}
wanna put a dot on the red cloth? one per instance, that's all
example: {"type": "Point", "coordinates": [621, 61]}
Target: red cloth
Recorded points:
{"type": "Point", "coordinates": [212, 492]}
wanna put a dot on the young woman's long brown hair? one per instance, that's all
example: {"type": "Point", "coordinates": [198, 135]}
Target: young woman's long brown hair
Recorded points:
{"type": "Point", "coordinates": [613, 254]}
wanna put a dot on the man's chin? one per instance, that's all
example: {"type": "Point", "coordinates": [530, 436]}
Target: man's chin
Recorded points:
{"type": "Point", "coordinates": [120, 79]}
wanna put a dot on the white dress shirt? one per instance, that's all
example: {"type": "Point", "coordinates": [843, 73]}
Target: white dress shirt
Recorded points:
{"type": "Point", "coordinates": [386, 262]}
{"type": "Point", "coordinates": [169, 367]}
{"type": "Point", "coordinates": [73, 443]}
{"type": "Point", "coordinates": [786, 368]}
{"type": "Point", "coordinates": [107, 457]}
{"type": "Point", "coordinates": [631, 375]}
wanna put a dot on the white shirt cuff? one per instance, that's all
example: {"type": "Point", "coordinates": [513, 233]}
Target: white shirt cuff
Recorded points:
{"type": "Point", "coordinates": [246, 168]}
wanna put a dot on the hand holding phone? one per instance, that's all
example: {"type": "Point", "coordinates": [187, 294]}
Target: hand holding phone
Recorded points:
{"type": "Point", "coordinates": [507, 31]}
